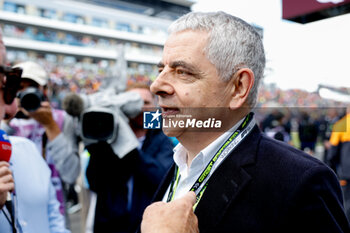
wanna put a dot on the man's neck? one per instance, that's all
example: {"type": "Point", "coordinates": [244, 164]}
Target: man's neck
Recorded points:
{"type": "Point", "coordinates": [196, 141]}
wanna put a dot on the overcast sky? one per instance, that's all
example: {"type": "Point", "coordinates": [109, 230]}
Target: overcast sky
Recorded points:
{"type": "Point", "coordinates": [299, 56]}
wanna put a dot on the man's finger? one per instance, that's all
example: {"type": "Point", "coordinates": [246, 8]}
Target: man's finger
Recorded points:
{"type": "Point", "coordinates": [6, 179]}
{"type": "Point", "coordinates": [8, 187]}
{"type": "Point", "coordinates": [4, 164]}
{"type": "Point", "coordinates": [190, 197]}
{"type": "Point", "coordinates": [23, 110]}
{"type": "Point", "coordinates": [4, 170]}
{"type": "Point", "coordinates": [152, 207]}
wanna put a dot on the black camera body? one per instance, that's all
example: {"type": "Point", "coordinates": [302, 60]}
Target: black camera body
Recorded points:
{"type": "Point", "coordinates": [31, 98]}
{"type": "Point", "coordinates": [99, 124]}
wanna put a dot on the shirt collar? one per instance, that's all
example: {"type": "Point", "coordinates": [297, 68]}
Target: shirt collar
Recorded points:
{"type": "Point", "coordinates": [203, 157]}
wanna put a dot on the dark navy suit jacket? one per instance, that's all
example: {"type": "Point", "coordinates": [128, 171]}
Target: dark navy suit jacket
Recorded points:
{"type": "Point", "coordinates": [268, 186]}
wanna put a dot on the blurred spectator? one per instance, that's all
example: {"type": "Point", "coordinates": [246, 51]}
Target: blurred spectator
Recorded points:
{"type": "Point", "coordinates": [276, 128]}
{"type": "Point", "coordinates": [34, 191]}
{"type": "Point", "coordinates": [308, 132]}
{"type": "Point", "coordinates": [339, 156]}
{"type": "Point", "coordinates": [6, 178]}
{"type": "Point", "coordinates": [45, 127]}
{"type": "Point", "coordinates": [329, 119]}
{"type": "Point", "coordinates": [125, 186]}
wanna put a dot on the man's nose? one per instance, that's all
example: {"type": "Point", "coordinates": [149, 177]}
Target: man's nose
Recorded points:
{"type": "Point", "coordinates": [162, 86]}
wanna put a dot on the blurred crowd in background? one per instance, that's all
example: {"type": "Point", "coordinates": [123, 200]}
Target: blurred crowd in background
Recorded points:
{"type": "Point", "coordinates": [300, 118]}
{"type": "Point", "coordinates": [86, 77]}
{"type": "Point", "coordinates": [297, 117]}
{"type": "Point", "coordinates": [291, 108]}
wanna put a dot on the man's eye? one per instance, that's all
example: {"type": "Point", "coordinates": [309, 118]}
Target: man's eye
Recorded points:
{"type": "Point", "coordinates": [160, 70]}
{"type": "Point", "coordinates": [182, 72]}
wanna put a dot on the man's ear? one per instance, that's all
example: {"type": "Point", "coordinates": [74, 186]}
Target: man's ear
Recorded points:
{"type": "Point", "coordinates": [243, 81]}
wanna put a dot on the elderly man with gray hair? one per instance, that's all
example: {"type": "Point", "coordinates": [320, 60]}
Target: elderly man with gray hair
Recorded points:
{"type": "Point", "coordinates": [244, 181]}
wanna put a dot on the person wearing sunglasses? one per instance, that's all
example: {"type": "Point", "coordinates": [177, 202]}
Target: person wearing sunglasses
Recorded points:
{"type": "Point", "coordinates": [6, 178]}
{"type": "Point", "coordinates": [32, 205]}
{"type": "Point", "coordinates": [46, 127]}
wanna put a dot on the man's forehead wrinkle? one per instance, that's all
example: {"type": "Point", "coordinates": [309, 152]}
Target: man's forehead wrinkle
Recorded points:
{"type": "Point", "coordinates": [181, 63]}
{"type": "Point", "coordinates": [184, 64]}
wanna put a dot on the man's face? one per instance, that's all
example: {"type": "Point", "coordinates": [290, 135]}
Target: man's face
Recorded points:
{"type": "Point", "coordinates": [25, 83]}
{"type": "Point", "coordinates": [2, 103]}
{"type": "Point", "coordinates": [146, 95]}
{"type": "Point", "coordinates": [148, 105]}
{"type": "Point", "coordinates": [12, 86]}
{"type": "Point", "coordinates": [187, 79]}
{"type": "Point", "coordinates": [2, 80]}
{"type": "Point", "coordinates": [8, 93]}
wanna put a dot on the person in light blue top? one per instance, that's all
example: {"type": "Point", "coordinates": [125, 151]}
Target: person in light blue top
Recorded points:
{"type": "Point", "coordinates": [36, 202]}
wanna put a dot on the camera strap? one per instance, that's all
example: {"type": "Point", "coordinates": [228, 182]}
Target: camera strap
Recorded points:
{"type": "Point", "coordinates": [227, 147]}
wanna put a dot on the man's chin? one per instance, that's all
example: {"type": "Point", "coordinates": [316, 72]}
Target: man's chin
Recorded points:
{"type": "Point", "coordinates": [172, 132]}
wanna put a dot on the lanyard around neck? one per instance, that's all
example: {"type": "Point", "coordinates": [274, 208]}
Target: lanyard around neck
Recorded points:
{"type": "Point", "coordinates": [228, 146]}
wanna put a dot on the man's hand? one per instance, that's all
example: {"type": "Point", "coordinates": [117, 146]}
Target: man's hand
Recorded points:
{"type": "Point", "coordinates": [173, 217]}
{"type": "Point", "coordinates": [44, 116]}
{"type": "Point", "coordinates": [6, 182]}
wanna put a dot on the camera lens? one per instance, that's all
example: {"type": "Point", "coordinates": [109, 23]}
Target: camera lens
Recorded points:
{"type": "Point", "coordinates": [30, 102]}
{"type": "Point", "coordinates": [30, 99]}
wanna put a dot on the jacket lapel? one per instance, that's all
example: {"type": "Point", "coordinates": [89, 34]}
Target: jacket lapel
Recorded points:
{"type": "Point", "coordinates": [164, 184]}
{"type": "Point", "coordinates": [227, 182]}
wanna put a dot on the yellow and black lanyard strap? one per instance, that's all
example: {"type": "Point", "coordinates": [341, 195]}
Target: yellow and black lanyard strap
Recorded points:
{"type": "Point", "coordinates": [230, 144]}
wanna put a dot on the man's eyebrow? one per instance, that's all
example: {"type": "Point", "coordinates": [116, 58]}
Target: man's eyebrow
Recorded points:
{"type": "Point", "coordinates": [160, 65]}
{"type": "Point", "coordinates": [184, 65]}
{"type": "Point", "coordinates": [177, 64]}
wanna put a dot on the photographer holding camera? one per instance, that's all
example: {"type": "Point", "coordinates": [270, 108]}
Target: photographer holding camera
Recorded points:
{"type": "Point", "coordinates": [125, 185]}
{"type": "Point", "coordinates": [45, 126]}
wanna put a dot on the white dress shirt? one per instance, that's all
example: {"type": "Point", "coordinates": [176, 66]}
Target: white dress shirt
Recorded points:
{"type": "Point", "coordinates": [190, 175]}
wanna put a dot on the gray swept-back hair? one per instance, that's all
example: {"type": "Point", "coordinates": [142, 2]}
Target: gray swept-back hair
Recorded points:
{"type": "Point", "coordinates": [232, 44]}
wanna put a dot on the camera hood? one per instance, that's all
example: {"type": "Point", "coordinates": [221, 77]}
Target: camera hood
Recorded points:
{"type": "Point", "coordinates": [98, 124]}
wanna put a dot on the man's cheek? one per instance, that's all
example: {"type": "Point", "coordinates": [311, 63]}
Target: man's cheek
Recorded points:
{"type": "Point", "coordinates": [11, 110]}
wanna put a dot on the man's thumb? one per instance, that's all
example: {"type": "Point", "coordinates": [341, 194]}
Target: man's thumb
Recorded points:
{"type": "Point", "coordinates": [191, 197]}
